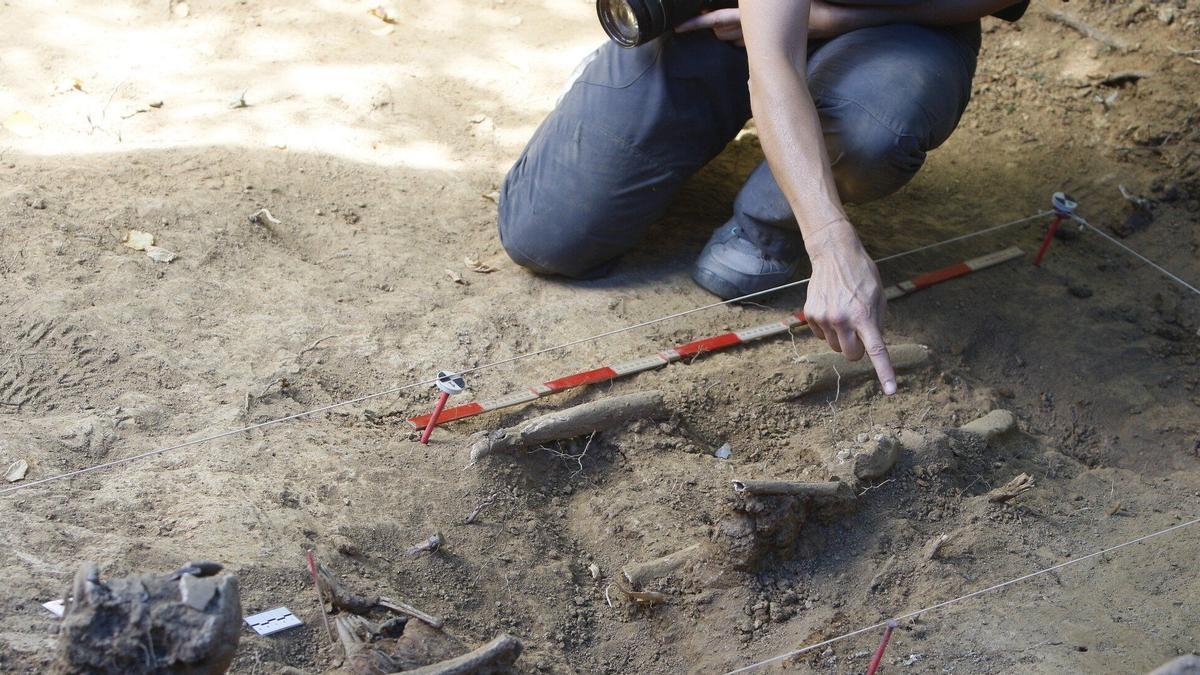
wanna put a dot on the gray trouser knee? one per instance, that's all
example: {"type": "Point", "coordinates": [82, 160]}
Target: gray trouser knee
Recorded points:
{"type": "Point", "coordinates": [608, 160]}
{"type": "Point", "coordinates": [637, 123]}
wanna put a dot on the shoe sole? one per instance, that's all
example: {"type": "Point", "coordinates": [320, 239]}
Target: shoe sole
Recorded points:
{"type": "Point", "coordinates": [715, 284]}
{"type": "Point", "coordinates": [721, 287]}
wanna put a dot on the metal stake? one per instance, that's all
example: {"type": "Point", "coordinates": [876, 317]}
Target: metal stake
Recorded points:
{"type": "Point", "coordinates": [1064, 206]}
{"type": "Point", "coordinates": [887, 635]}
{"type": "Point", "coordinates": [450, 384]}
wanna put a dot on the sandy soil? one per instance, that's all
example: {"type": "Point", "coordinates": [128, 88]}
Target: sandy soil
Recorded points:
{"type": "Point", "coordinates": [376, 152]}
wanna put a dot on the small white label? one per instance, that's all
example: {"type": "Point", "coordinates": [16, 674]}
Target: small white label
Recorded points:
{"type": "Point", "coordinates": [56, 607]}
{"type": "Point", "coordinates": [273, 621]}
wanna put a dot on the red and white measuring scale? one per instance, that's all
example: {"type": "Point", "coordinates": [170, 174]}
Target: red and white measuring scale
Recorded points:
{"type": "Point", "coordinates": [697, 347]}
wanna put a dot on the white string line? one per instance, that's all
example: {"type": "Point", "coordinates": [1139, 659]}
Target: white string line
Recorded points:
{"type": "Point", "coordinates": [493, 364]}
{"type": "Point", "coordinates": [206, 439]}
{"type": "Point", "coordinates": [960, 598]}
{"type": "Point", "coordinates": [968, 235]}
{"type": "Point", "coordinates": [748, 296]}
{"type": "Point", "coordinates": [1141, 257]}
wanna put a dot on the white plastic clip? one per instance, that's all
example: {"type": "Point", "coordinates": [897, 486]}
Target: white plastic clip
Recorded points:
{"type": "Point", "coordinates": [450, 383]}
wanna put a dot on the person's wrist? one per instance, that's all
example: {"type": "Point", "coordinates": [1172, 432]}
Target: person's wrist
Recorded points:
{"type": "Point", "coordinates": [834, 238]}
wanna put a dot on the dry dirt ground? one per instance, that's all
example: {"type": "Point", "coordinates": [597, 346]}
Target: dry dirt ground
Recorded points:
{"type": "Point", "coordinates": [375, 150]}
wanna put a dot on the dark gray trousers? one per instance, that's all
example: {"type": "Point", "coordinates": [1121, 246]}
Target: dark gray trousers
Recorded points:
{"type": "Point", "coordinates": [636, 123]}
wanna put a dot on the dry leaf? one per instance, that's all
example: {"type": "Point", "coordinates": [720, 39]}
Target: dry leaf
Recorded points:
{"type": "Point", "coordinates": [383, 14]}
{"type": "Point", "coordinates": [493, 196]}
{"type": "Point", "coordinates": [17, 471]}
{"type": "Point", "coordinates": [477, 266]}
{"type": "Point", "coordinates": [457, 278]}
{"type": "Point", "coordinates": [21, 123]}
{"type": "Point", "coordinates": [158, 254]}
{"type": "Point", "coordinates": [138, 240]}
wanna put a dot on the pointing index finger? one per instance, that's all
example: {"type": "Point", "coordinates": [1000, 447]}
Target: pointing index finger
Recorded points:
{"type": "Point", "coordinates": [876, 348]}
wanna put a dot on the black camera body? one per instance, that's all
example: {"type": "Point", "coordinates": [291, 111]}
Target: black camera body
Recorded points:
{"type": "Point", "coordinates": [631, 23]}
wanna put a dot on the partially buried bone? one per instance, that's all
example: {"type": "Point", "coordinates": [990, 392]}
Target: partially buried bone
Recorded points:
{"type": "Point", "coordinates": [830, 370]}
{"type": "Point", "coordinates": [1012, 489]}
{"type": "Point", "coordinates": [430, 544]}
{"type": "Point", "coordinates": [639, 573]}
{"type": "Point", "coordinates": [418, 648]}
{"type": "Point", "coordinates": [819, 492]}
{"type": "Point", "coordinates": [570, 423]}
{"type": "Point", "coordinates": [342, 598]}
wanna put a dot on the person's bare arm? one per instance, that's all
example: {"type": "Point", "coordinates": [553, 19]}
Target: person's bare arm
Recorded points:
{"type": "Point", "coordinates": [829, 19]}
{"type": "Point", "coordinates": [845, 302]}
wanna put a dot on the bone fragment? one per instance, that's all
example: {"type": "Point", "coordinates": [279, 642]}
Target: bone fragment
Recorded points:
{"type": "Point", "coordinates": [495, 656]}
{"type": "Point", "coordinates": [405, 608]}
{"type": "Point", "coordinates": [821, 492]}
{"type": "Point", "coordinates": [829, 370]}
{"type": "Point", "coordinates": [934, 547]}
{"type": "Point", "coordinates": [570, 423]}
{"type": "Point", "coordinates": [1013, 488]}
{"type": "Point", "coordinates": [342, 598]}
{"type": "Point", "coordinates": [430, 544]}
{"type": "Point", "coordinates": [638, 573]}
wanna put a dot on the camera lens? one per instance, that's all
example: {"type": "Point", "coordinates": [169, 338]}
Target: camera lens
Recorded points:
{"type": "Point", "coordinates": [620, 21]}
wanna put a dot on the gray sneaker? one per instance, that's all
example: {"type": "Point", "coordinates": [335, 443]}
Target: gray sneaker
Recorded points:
{"type": "Point", "coordinates": [731, 265]}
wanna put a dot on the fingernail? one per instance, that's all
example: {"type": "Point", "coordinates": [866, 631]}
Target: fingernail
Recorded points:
{"type": "Point", "coordinates": [889, 387]}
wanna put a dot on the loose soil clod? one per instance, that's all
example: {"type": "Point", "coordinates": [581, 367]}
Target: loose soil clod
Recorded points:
{"type": "Point", "coordinates": [994, 424]}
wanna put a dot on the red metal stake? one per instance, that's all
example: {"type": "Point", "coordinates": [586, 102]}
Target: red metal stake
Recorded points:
{"type": "Point", "coordinates": [887, 635]}
{"type": "Point", "coordinates": [1064, 206]}
{"type": "Point", "coordinates": [449, 384]}
{"type": "Point", "coordinates": [433, 419]}
{"type": "Point", "coordinates": [1037, 259]}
